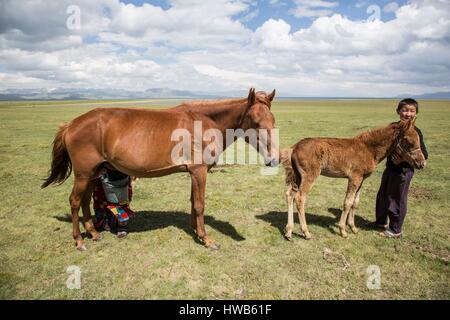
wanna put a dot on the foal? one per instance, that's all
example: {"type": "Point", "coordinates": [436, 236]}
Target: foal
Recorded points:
{"type": "Point", "coordinates": [352, 158]}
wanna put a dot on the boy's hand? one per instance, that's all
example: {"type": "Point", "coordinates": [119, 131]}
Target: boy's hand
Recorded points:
{"type": "Point", "coordinates": [396, 158]}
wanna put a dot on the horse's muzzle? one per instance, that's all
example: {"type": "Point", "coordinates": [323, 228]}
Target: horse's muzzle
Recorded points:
{"type": "Point", "coordinates": [420, 165]}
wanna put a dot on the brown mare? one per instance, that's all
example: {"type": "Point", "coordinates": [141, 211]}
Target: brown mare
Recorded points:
{"type": "Point", "coordinates": [354, 158]}
{"type": "Point", "coordinates": [143, 148]}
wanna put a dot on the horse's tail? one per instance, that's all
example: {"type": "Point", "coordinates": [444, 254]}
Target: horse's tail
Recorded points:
{"type": "Point", "coordinates": [61, 165]}
{"type": "Point", "coordinates": [293, 177]}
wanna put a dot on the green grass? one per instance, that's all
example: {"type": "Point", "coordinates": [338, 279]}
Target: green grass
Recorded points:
{"type": "Point", "coordinates": [245, 213]}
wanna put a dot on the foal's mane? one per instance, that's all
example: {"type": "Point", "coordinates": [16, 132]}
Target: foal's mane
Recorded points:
{"type": "Point", "coordinates": [374, 133]}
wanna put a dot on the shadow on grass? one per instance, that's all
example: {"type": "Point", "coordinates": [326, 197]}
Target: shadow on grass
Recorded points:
{"type": "Point", "coordinates": [153, 220]}
{"type": "Point", "coordinates": [278, 220]}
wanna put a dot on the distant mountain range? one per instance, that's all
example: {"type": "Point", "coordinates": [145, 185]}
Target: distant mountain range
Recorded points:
{"type": "Point", "coordinates": [435, 95]}
{"type": "Point", "coordinates": [97, 94]}
{"type": "Point", "coordinates": [154, 93]}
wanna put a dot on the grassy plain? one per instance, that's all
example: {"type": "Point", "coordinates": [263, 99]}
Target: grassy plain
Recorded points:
{"type": "Point", "coordinates": [245, 213]}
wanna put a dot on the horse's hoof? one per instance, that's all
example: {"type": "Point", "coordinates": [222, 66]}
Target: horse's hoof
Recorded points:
{"type": "Point", "coordinates": [307, 236]}
{"type": "Point", "coordinates": [288, 234]}
{"type": "Point", "coordinates": [355, 230]}
{"type": "Point", "coordinates": [97, 237]}
{"type": "Point", "coordinates": [343, 232]}
{"type": "Point", "coordinates": [82, 248]}
{"type": "Point", "coordinates": [214, 246]}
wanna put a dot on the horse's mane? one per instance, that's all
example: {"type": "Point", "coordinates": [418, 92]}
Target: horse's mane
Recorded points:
{"type": "Point", "coordinates": [373, 133]}
{"type": "Point", "coordinates": [260, 97]}
{"type": "Point", "coordinates": [213, 103]}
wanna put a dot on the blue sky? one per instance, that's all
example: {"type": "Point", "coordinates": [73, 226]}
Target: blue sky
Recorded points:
{"type": "Point", "coordinates": [299, 47]}
{"type": "Point", "coordinates": [279, 9]}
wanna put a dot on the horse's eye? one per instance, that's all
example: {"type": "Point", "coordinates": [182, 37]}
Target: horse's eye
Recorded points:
{"type": "Point", "coordinates": [406, 144]}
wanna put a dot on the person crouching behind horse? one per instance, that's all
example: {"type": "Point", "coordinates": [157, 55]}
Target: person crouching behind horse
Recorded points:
{"type": "Point", "coordinates": [112, 196]}
{"type": "Point", "coordinates": [393, 193]}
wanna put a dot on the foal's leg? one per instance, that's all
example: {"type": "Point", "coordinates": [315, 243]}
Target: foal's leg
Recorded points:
{"type": "Point", "coordinates": [198, 176]}
{"type": "Point", "coordinates": [353, 185]}
{"type": "Point", "coordinates": [87, 217]}
{"type": "Point", "coordinates": [351, 217]}
{"type": "Point", "coordinates": [79, 187]}
{"type": "Point", "coordinates": [290, 194]}
{"type": "Point", "coordinates": [300, 199]}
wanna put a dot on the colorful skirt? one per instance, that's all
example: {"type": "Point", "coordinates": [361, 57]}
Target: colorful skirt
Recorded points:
{"type": "Point", "coordinates": [110, 214]}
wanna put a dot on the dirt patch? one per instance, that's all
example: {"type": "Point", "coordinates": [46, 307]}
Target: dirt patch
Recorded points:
{"type": "Point", "coordinates": [336, 258]}
{"type": "Point", "coordinates": [421, 193]}
{"type": "Point", "coordinates": [441, 254]}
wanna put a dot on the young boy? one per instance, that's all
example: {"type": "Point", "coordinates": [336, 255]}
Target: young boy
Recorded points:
{"type": "Point", "coordinates": [393, 193]}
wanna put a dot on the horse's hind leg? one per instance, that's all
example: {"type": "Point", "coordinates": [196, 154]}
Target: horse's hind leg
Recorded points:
{"type": "Point", "coordinates": [290, 194]}
{"type": "Point", "coordinates": [87, 217]}
{"type": "Point", "coordinates": [352, 188]}
{"type": "Point", "coordinates": [351, 217]}
{"type": "Point", "coordinates": [79, 187]}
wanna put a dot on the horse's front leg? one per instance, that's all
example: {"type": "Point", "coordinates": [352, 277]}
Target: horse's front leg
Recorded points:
{"type": "Point", "coordinates": [193, 218]}
{"type": "Point", "coordinates": [198, 176]}
{"type": "Point", "coordinates": [351, 216]}
{"type": "Point", "coordinates": [353, 186]}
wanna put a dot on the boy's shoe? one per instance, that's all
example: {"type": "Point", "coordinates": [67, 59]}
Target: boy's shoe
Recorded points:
{"type": "Point", "coordinates": [388, 233]}
{"type": "Point", "coordinates": [121, 234]}
{"type": "Point", "coordinates": [122, 231]}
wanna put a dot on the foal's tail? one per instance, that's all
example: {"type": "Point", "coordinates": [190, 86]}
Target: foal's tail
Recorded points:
{"type": "Point", "coordinates": [293, 177]}
{"type": "Point", "coordinates": [61, 165]}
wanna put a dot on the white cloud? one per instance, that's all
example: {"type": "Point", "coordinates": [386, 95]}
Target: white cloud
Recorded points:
{"type": "Point", "coordinates": [391, 7]}
{"type": "Point", "coordinates": [203, 46]}
{"type": "Point", "coordinates": [274, 34]}
{"type": "Point", "coordinates": [250, 16]}
{"type": "Point", "coordinates": [361, 3]}
{"type": "Point", "coordinates": [313, 8]}
{"type": "Point", "coordinates": [187, 24]}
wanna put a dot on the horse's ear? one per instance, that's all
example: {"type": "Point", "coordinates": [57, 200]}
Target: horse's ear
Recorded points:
{"type": "Point", "coordinates": [403, 124]}
{"type": "Point", "coordinates": [408, 124]}
{"type": "Point", "coordinates": [272, 95]}
{"type": "Point", "coordinates": [413, 122]}
{"type": "Point", "coordinates": [251, 97]}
